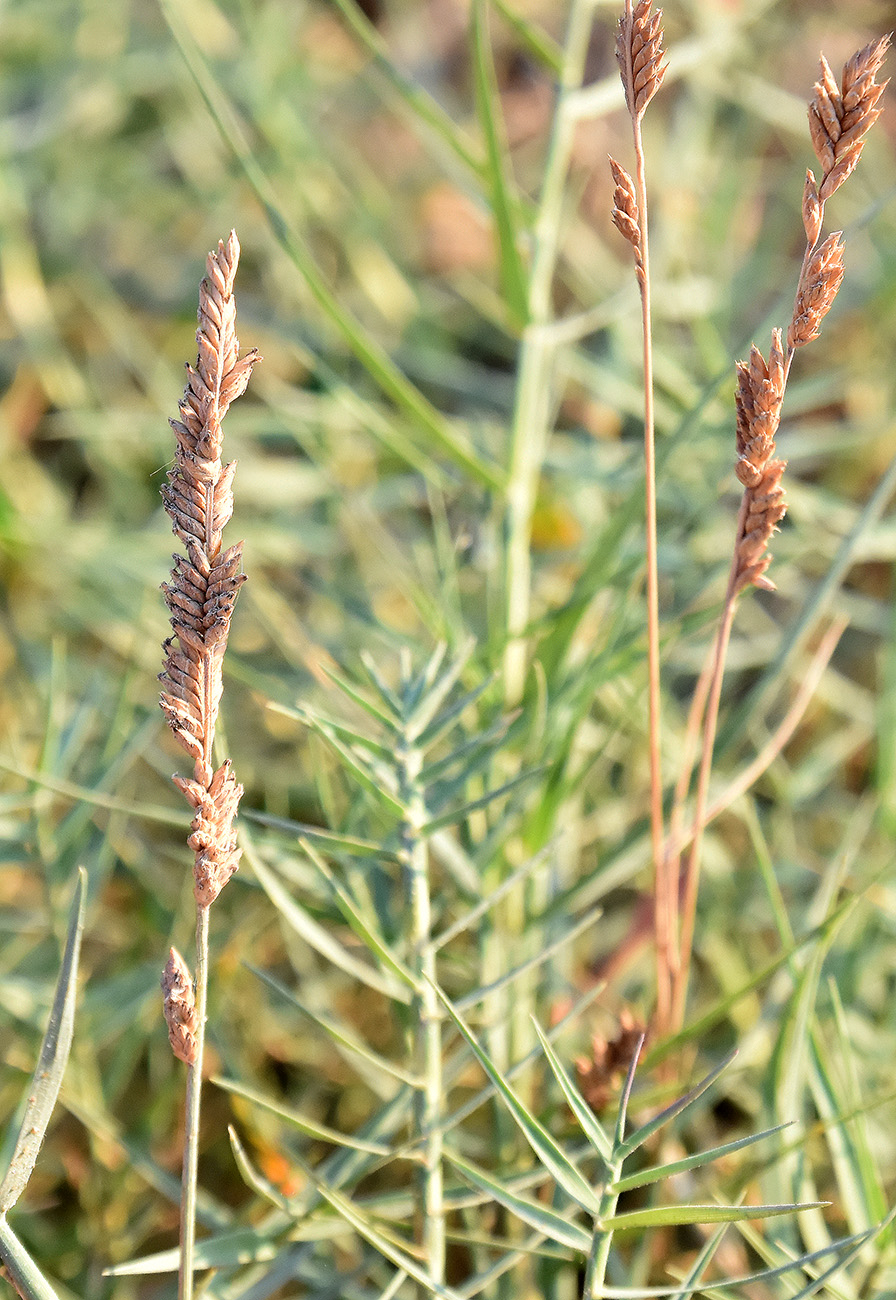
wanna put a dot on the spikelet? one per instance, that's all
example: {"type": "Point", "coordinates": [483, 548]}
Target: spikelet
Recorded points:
{"type": "Point", "coordinates": [819, 282]}
{"type": "Point", "coordinates": [839, 116]}
{"type": "Point", "coordinates": [626, 217]}
{"type": "Point", "coordinates": [639, 49]}
{"type": "Point", "coordinates": [760, 394]}
{"type": "Point", "coordinates": [205, 582]}
{"type": "Point", "coordinates": [180, 1008]}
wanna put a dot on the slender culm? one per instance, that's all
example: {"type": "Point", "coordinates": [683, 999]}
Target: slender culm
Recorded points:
{"type": "Point", "coordinates": [639, 52]}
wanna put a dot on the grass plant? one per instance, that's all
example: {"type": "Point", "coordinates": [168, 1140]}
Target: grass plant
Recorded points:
{"type": "Point", "coordinates": [425, 1063]}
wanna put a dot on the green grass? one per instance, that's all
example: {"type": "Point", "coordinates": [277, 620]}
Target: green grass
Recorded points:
{"type": "Point", "coordinates": [375, 446]}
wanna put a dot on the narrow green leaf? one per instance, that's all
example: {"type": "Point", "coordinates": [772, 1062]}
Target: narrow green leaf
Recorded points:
{"type": "Point", "coordinates": [541, 46]}
{"type": "Point", "coordinates": [513, 274]}
{"type": "Point", "coordinates": [552, 1225]}
{"type": "Point", "coordinates": [332, 840]}
{"type": "Point", "coordinates": [867, 1172]}
{"type": "Point", "coordinates": [417, 726]}
{"type": "Point", "coordinates": [554, 1159]}
{"type": "Point", "coordinates": [640, 1136]}
{"type": "Point", "coordinates": [562, 941]}
{"type": "Point", "coordinates": [670, 1216]}
{"type": "Point", "coordinates": [388, 720]}
{"type": "Point", "coordinates": [247, 1246]}
{"type": "Point", "coordinates": [24, 1274]}
{"type": "Point", "coordinates": [307, 1126]}
{"type": "Point", "coordinates": [389, 697]}
{"type": "Point", "coordinates": [457, 814]}
{"type": "Point", "coordinates": [252, 1178]}
{"type": "Point", "coordinates": [469, 752]}
{"type": "Point", "coordinates": [47, 1079]}
{"type": "Point", "coordinates": [358, 768]}
{"type": "Point", "coordinates": [845, 1249]}
{"type": "Point", "coordinates": [588, 1121]}
{"type": "Point", "coordinates": [384, 1244]}
{"type": "Point", "coordinates": [336, 733]}
{"type": "Point", "coordinates": [378, 1066]}
{"type": "Point", "coordinates": [659, 1173]}
{"type": "Point", "coordinates": [365, 932]}
{"type": "Point", "coordinates": [420, 105]}
{"type": "Point", "coordinates": [691, 1281]}
{"type": "Point", "coordinates": [429, 734]}
{"type": "Point", "coordinates": [316, 935]}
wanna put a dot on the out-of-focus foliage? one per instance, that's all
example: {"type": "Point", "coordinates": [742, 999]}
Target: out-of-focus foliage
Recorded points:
{"type": "Point", "coordinates": [363, 532]}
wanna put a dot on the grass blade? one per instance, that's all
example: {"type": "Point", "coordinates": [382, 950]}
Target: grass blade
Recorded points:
{"type": "Point", "coordinates": [513, 275]}
{"type": "Point", "coordinates": [45, 1084]}
{"type": "Point", "coordinates": [24, 1274]}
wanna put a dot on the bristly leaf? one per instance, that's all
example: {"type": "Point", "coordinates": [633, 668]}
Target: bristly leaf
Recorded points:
{"type": "Point", "coordinates": [44, 1087]}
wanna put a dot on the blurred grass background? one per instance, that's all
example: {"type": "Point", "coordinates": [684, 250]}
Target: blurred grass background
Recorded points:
{"type": "Point", "coordinates": [361, 534]}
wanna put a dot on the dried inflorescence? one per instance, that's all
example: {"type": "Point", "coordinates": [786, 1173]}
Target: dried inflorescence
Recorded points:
{"type": "Point", "coordinates": [180, 1008]}
{"type": "Point", "coordinates": [626, 217]}
{"type": "Point", "coordinates": [839, 116]}
{"type": "Point", "coordinates": [817, 289]}
{"type": "Point", "coordinates": [639, 49]}
{"type": "Point", "coordinates": [599, 1074]}
{"type": "Point", "coordinates": [204, 584]}
{"type": "Point", "coordinates": [760, 393]}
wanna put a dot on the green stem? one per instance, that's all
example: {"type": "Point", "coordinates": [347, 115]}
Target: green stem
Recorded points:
{"type": "Point", "coordinates": [428, 1020]}
{"type": "Point", "coordinates": [600, 1249]}
{"type": "Point", "coordinates": [191, 1121]}
{"type": "Point", "coordinates": [531, 416]}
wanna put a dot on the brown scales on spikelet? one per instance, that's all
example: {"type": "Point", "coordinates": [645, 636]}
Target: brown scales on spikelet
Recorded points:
{"type": "Point", "coordinates": [180, 1008]}
{"type": "Point", "coordinates": [760, 393]}
{"type": "Point", "coordinates": [205, 583]}
{"type": "Point", "coordinates": [819, 282]}
{"type": "Point", "coordinates": [639, 49]}
{"type": "Point", "coordinates": [626, 217]}
{"type": "Point", "coordinates": [839, 116]}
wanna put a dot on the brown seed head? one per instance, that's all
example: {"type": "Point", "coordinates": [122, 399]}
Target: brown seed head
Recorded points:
{"type": "Point", "coordinates": [639, 49]}
{"type": "Point", "coordinates": [205, 582]}
{"type": "Point", "coordinates": [626, 217]}
{"type": "Point", "coordinates": [813, 213]}
{"type": "Point", "coordinates": [180, 1008]}
{"type": "Point", "coordinates": [760, 394]}
{"type": "Point", "coordinates": [817, 290]}
{"type": "Point", "coordinates": [839, 116]}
